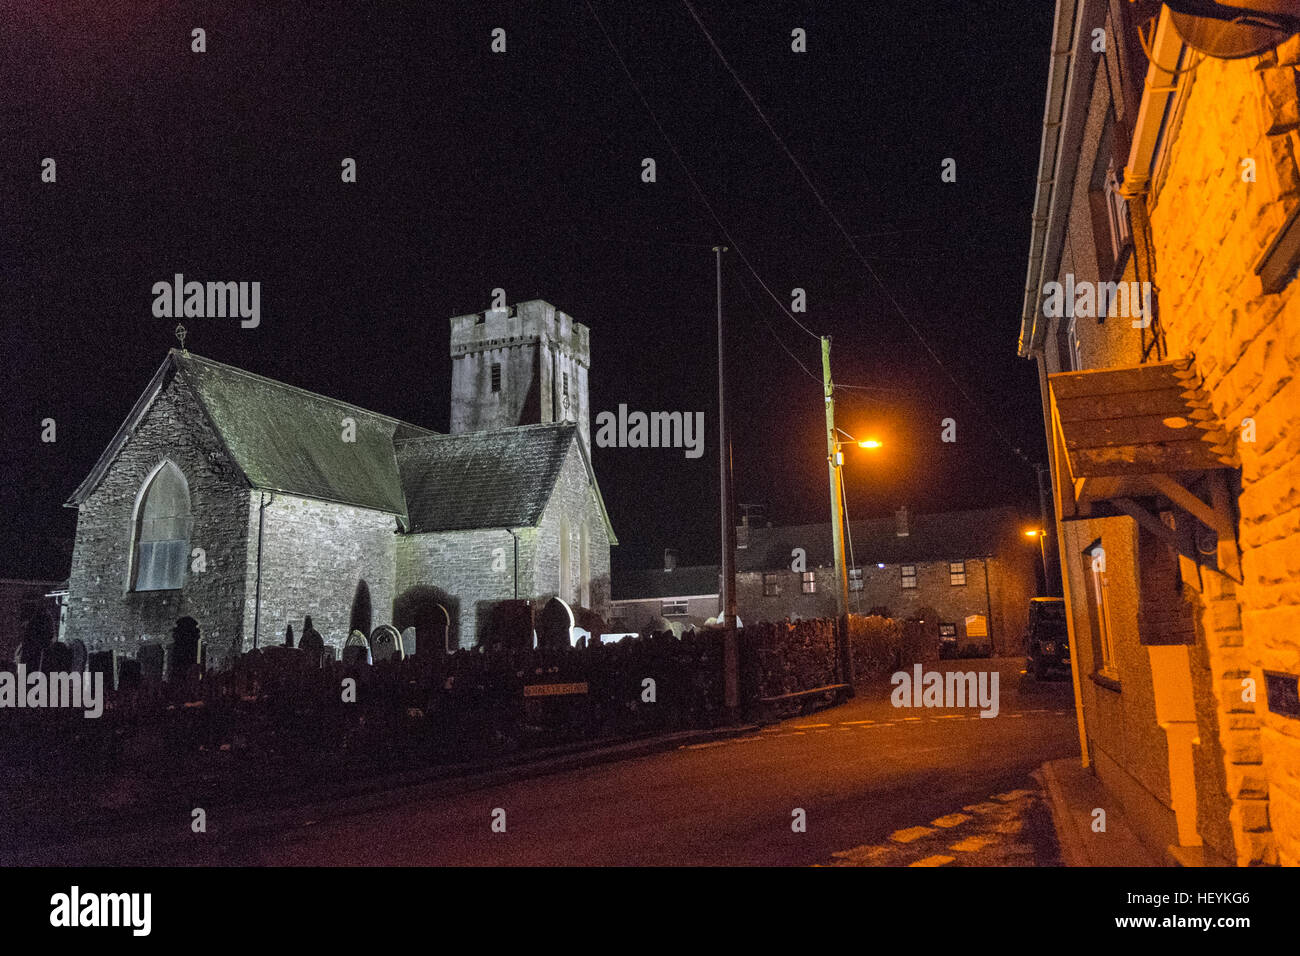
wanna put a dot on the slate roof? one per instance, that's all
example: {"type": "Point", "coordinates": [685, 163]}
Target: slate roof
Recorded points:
{"type": "Point", "coordinates": [287, 439]}
{"type": "Point", "coordinates": [657, 583]}
{"type": "Point", "coordinates": [489, 479]}
{"type": "Point", "coordinates": [282, 438]}
{"type": "Point", "coordinates": [945, 536]}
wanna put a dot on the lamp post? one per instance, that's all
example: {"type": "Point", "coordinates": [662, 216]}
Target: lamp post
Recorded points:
{"type": "Point", "coordinates": [1041, 535]}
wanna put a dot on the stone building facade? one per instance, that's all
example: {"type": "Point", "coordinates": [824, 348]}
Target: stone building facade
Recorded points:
{"type": "Point", "coordinates": [1175, 431]}
{"type": "Point", "coordinates": [973, 571]}
{"type": "Point", "coordinates": [280, 503]}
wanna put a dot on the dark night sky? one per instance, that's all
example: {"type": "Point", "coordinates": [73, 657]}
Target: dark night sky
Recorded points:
{"type": "Point", "coordinates": [522, 171]}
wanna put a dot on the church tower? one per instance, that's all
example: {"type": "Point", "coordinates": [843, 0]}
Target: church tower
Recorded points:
{"type": "Point", "coordinates": [522, 365]}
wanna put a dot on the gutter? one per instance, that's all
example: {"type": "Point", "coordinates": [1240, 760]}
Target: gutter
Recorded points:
{"type": "Point", "coordinates": [1057, 77]}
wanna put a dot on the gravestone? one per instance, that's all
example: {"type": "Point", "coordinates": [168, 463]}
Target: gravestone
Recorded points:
{"type": "Point", "coordinates": [311, 644]}
{"type": "Point", "coordinates": [152, 663]}
{"type": "Point", "coordinates": [386, 643]}
{"type": "Point", "coordinates": [104, 662]}
{"type": "Point", "coordinates": [58, 657]}
{"type": "Point", "coordinates": [554, 625]}
{"type": "Point", "coordinates": [327, 654]}
{"type": "Point", "coordinates": [408, 642]}
{"type": "Point", "coordinates": [128, 674]}
{"type": "Point", "coordinates": [510, 625]}
{"type": "Point", "coordinates": [78, 649]}
{"type": "Point", "coordinates": [357, 650]}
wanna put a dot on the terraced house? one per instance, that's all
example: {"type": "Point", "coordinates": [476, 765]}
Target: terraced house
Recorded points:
{"type": "Point", "coordinates": [1169, 163]}
{"type": "Point", "coordinates": [247, 503]}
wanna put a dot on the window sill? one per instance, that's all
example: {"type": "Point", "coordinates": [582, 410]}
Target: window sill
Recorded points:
{"type": "Point", "coordinates": [1108, 681]}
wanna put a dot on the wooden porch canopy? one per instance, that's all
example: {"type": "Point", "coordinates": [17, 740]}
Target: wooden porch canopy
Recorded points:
{"type": "Point", "coordinates": [1124, 434]}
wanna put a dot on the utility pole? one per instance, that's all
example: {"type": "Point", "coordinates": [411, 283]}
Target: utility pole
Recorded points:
{"type": "Point", "coordinates": [837, 521]}
{"type": "Point", "coordinates": [1039, 470]}
{"type": "Point", "coordinates": [730, 647]}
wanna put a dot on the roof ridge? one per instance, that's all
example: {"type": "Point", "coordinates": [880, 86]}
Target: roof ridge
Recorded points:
{"type": "Point", "coordinates": [180, 357]}
{"type": "Point", "coordinates": [484, 432]}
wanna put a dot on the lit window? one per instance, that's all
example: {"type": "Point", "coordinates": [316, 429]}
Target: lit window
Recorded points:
{"type": "Point", "coordinates": [809, 583]}
{"type": "Point", "coordinates": [957, 572]}
{"type": "Point", "coordinates": [855, 579]}
{"type": "Point", "coordinates": [909, 575]}
{"type": "Point", "coordinates": [162, 532]}
{"type": "Point", "coordinates": [948, 632]}
{"type": "Point", "coordinates": [771, 585]}
{"type": "Point", "coordinates": [674, 608]}
{"type": "Point", "coordinates": [496, 376]}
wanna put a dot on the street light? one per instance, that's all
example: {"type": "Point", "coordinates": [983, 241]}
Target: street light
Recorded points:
{"type": "Point", "coordinates": [1041, 535]}
{"type": "Point", "coordinates": [869, 443]}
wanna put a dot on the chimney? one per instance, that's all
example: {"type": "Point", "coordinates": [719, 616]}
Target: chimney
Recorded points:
{"type": "Point", "coordinates": [900, 522]}
{"type": "Point", "coordinates": [670, 559]}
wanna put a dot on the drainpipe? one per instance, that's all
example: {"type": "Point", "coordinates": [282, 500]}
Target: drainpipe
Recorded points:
{"type": "Point", "coordinates": [988, 601]}
{"type": "Point", "coordinates": [257, 599]}
{"type": "Point", "coordinates": [516, 561]}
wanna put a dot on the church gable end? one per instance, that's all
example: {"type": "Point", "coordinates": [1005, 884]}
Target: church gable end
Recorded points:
{"type": "Point", "coordinates": [165, 486]}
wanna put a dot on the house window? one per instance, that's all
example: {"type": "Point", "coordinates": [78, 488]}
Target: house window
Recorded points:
{"type": "Point", "coordinates": [771, 585]}
{"type": "Point", "coordinates": [162, 532]}
{"type": "Point", "coordinates": [909, 575]}
{"type": "Point", "coordinates": [855, 579]}
{"type": "Point", "coordinates": [957, 572]}
{"type": "Point", "coordinates": [674, 608]}
{"type": "Point", "coordinates": [496, 376]}
{"type": "Point", "coordinates": [1096, 558]}
{"type": "Point", "coordinates": [809, 582]}
{"type": "Point", "coordinates": [1117, 214]}
{"type": "Point", "coordinates": [948, 632]}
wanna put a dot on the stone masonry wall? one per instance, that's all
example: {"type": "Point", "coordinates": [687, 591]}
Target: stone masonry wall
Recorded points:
{"type": "Point", "coordinates": [102, 612]}
{"type": "Point", "coordinates": [573, 499]}
{"type": "Point", "coordinates": [313, 555]}
{"type": "Point", "coordinates": [1246, 343]}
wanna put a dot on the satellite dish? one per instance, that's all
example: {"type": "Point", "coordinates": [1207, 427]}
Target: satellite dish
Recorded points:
{"type": "Point", "coordinates": [1233, 31]}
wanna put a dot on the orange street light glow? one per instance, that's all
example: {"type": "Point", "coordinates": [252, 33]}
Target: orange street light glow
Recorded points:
{"type": "Point", "coordinates": [1032, 534]}
{"type": "Point", "coordinates": [869, 443]}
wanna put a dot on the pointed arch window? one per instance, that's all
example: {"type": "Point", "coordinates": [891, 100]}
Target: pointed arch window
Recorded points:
{"type": "Point", "coordinates": [162, 532]}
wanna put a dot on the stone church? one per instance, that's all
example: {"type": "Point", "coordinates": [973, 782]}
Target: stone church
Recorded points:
{"type": "Point", "coordinates": [247, 503]}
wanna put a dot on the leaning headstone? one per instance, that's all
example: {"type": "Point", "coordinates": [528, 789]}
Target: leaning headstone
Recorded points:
{"type": "Point", "coordinates": [554, 625]}
{"type": "Point", "coordinates": [386, 643]}
{"type": "Point", "coordinates": [357, 650]}
{"type": "Point", "coordinates": [104, 662]}
{"type": "Point", "coordinates": [151, 660]}
{"type": "Point", "coordinates": [408, 642]}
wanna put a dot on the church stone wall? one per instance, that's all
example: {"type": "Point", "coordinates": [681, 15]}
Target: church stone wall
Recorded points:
{"type": "Point", "coordinates": [102, 612]}
{"type": "Point", "coordinates": [314, 553]}
{"type": "Point", "coordinates": [474, 569]}
{"type": "Point", "coordinates": [574, 500]}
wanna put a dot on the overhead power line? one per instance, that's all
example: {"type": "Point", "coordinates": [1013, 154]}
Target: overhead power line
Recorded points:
{"type": "Point", "coordinates": [848, 238]}
{"type": "Point", "coordinates": [687, 170]}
